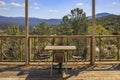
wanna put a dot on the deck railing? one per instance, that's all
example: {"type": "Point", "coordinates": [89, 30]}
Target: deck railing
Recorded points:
{"type": "Point", "coordinates": [107, 46]}
{"type": "Point", "coordinates": [12, 48]}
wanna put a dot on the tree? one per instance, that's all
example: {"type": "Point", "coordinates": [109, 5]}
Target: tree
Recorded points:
{"type": "Point", "coordinates": [100, 30]}
{"type": "Point", "coordinates": [13, 30]}
{"type": "Point", "coordinates": [76, 22]}
{"type": "Point", "coordinates": [42, 29]}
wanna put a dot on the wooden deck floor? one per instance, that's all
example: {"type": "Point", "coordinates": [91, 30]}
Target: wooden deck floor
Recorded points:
{"type": "Point", "coordinates": [100, 71]}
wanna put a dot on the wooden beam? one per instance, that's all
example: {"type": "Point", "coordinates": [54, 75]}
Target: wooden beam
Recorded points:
{"type": "Point", "coordinates": [26, 32]}
{"type": "Point", "coordinates": [93, 34]}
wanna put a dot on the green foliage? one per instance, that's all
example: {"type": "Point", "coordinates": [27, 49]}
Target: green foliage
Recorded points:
{"type": "Point", "coordinates": [41, 29]}
{"type": "Point", "coordinates": [110, 23]}
{"type": "Point", "coordinates": [13, 30]}
{"type": "Point", "coordinates": [100, 30]}
{"type": "Point", "coordinates": [75, 23]}
{"type": "Point", "coordinates": [2, 32]}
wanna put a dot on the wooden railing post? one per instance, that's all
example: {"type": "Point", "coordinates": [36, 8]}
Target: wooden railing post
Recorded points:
{"type": "Point", "coordinates": [100, 49]}
{"type": "Point", "coordinates": [1, 50]}
{"type": "Point", "coordinates": [29, 50]}
{"type": "Point", "coordinates": [92, 51]}
{"type": "Point", "coordinates": [34, 44]}
{"type": "Point", "coordinates": [118, 49]}
{"type": "Point", "coordinates": [20, 44]}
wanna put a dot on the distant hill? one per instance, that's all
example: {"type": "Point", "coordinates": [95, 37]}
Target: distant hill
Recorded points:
{"type": "Point", "coordinates": [36, 21]}
{"type": "Point", "coordinates": [32, 21]}
{"type": "Point", "coordinates": [100, 15]}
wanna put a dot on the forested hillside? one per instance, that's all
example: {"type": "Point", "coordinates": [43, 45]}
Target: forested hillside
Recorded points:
{"type": "Point", "coordinates": [110, 23]}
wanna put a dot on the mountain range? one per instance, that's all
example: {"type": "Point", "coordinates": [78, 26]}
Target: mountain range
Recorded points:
{"type": "Point", "coordinates": [100, 15]}
{"type": "Point", "coordinates": [32, 21]}
{"type": "Point", "coordinates": [36, 21]}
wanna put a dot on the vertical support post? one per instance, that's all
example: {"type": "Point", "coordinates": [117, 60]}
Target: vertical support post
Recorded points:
{"type": "Point", "coordinates": [34, 48]}
{"type": "Point", "coordinates": [20, 43]}
{"type": "Point", "coordinates": [118, 49]}
{"type": "Point", "coordinates": [93, 34]}
{"type": "Point", "coordinates": [26, 32]}
{"type": "Point", "coordinates": [29, 50]}
{"type": "Point", "coordinates": [53, 41]}
{"type": "Point", "coordinates": [1, 41]}
{"type": "Point", "coordinates": [100, 49]}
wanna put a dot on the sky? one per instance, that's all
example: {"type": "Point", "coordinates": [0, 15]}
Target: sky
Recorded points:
{"type": "Point", "coordinates": [48, 9]}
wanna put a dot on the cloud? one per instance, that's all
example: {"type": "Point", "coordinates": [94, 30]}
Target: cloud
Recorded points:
{"type": "Point", "coordinates": [17, 4]}
{"type": "Point", "coordinates": [3, 9]}
{"type": "Point", "coordinates": [114, 3]}
{"type": "Point", "coordinates": [35, 4]}
{"type": "Point", "coordinates": [79, 4]}
{"type": "Point", "coordinates": [52, 11]}
{"type": "Point", "coordinates": [2, 3]}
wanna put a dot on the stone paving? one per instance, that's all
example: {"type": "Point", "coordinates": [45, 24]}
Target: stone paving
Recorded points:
{"type": "Point", "coordinates": [96, 72]}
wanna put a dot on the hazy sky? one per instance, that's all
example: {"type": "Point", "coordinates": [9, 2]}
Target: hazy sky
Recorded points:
{"type": "Point", "coordinates": [55, 8]}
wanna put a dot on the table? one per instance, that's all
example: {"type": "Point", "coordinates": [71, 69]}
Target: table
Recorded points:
{"type": "Point", "coordinates": [60, 48]}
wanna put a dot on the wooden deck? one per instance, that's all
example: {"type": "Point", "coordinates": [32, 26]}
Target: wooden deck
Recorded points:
{"type": "Point", "coordinates": [100, 71]}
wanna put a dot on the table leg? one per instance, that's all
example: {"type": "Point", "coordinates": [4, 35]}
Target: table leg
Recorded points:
{"type": "Point", "coordinates": [66, 62]}
{"type": "Point", "coordinates": [51, 71]}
